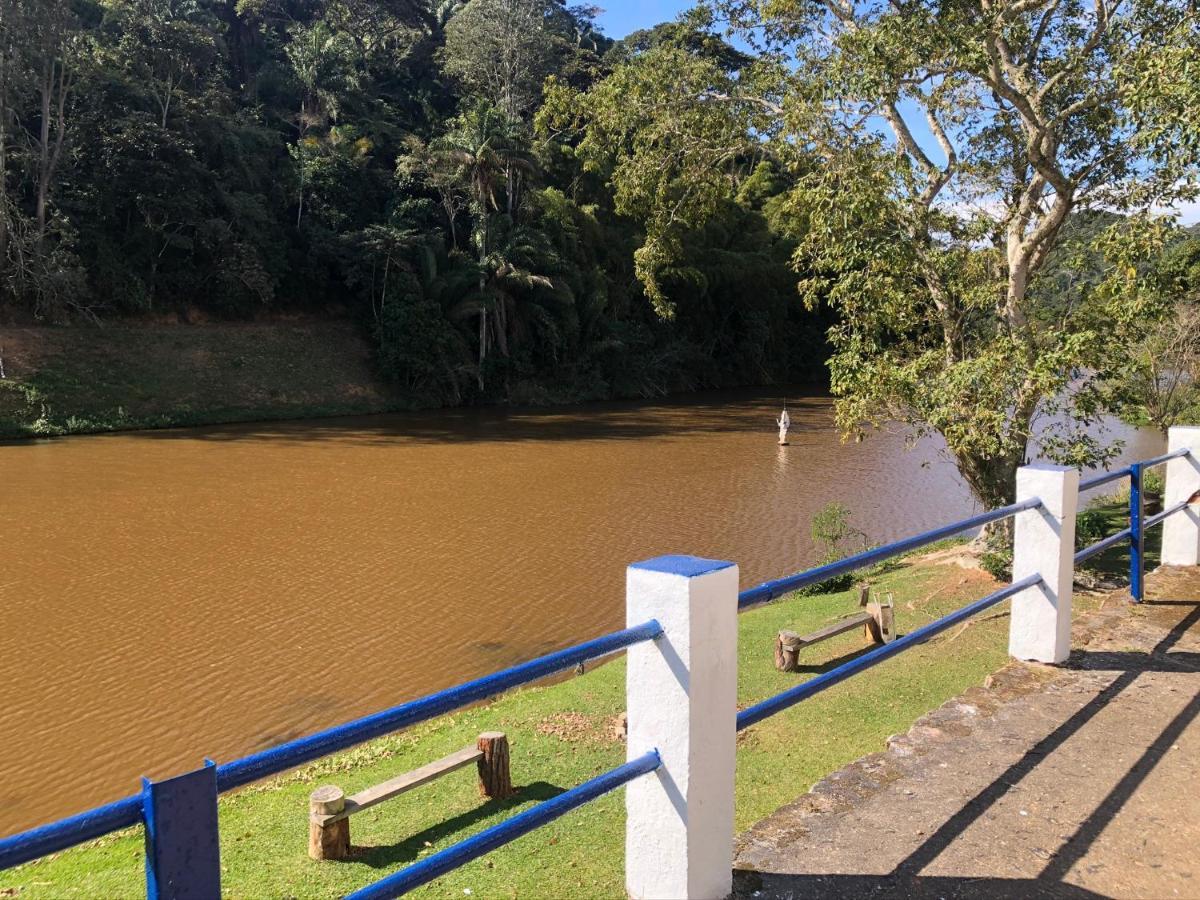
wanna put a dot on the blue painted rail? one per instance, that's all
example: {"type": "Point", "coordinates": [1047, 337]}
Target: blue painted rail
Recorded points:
{"type": "Point", "coordinates": [767, 708]}
{"type": "Point", "coordinates": [1139, 525]}
{"type": "Point", "coordinates": [770, 590]}
{"type": "Point", "coordinates": [134, 810]}
{"type": "Point", "coordinates": [94, 823]}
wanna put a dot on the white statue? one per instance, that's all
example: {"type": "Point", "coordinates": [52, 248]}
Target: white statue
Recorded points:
{"type": "Point", "coordinates": [784, 423]}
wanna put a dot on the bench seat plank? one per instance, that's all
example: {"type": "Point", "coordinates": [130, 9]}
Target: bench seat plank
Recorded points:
{"type": "Point", "coordinates": [393, 787]}
{"type": "Point", "coordinates": [792, 640]}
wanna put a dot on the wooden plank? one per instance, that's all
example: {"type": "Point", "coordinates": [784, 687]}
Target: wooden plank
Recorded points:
{"type": "Point", "coordinates": [840, 627]}
{"type": "Point", "coordinates": [401, 783]}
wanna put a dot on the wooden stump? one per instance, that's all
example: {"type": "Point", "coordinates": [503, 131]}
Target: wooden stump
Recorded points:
{"type": "Point", "coordinates": [787, 651]}
{"type": "Point", "coordinates": [494, 778]}
{"type": "Point", "coordinates": [330, 841]}
{"type": "Point", "coordinates": [882, 626]}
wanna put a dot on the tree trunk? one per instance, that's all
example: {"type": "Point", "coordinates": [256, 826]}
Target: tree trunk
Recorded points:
{"type": "Point", "coordinates": [482, 345]}
{"type": "Point", "coordinates": [43, 183]}
{"type": "Point", "coordinates": [4, 118]}
{"type": "Point", "coordinates": [992, 479]}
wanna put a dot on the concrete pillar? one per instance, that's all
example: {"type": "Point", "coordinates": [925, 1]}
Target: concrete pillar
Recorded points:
{"type": "Point", "coordinates": [682, 701]}
{"type": "Point", "coordinates": [1181, 532]}
{"type": "Point", "coordinates": [1044, 544]}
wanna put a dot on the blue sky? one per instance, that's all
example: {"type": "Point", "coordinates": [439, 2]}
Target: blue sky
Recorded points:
{"type": "Point", "coordinates": [620, 18]}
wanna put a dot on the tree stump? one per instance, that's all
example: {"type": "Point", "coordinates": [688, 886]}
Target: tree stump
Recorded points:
{"type": "Point", "coordinates": [881, 629]}
{"type": "Point", "coordinates": [495, 780]}
{"type": "Point", "coordinates": [330, 841]}
{"type": "Point", "coordinates": [787, 651]}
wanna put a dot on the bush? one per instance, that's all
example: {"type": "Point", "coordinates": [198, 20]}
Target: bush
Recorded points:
{"type": "Point", "coordinates": [1090, 527]}
{"type": "Point", "coordinates": [21, 409]}
{"type": "Point", "coordinates": [997, 556]}
{"type": "Point", "coordinates": [832, 533]}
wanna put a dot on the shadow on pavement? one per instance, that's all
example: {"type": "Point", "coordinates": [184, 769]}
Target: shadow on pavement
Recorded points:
{"type": "Point", "coordinates": [905, 879]}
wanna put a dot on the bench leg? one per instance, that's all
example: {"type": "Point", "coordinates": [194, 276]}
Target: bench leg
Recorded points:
{"type": "Point", "coordinates": [495, 780]}
{"type": "Point", "coordinates": [330, 841]}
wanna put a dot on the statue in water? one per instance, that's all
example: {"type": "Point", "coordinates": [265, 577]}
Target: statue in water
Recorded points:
{"type": "Point", "coordinates": [784, 423]}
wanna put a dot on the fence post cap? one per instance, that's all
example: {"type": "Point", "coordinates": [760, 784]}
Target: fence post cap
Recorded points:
{"type": "Point", "coordinates": [684, 566]}
{"type": "Point", "coordinates": [1048, 467]}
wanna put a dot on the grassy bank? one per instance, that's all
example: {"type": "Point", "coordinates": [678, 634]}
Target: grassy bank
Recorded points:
{"type": "Point", "coordinates": [561, 735]}
{"type": "Point", "coordinates": [129, 376]}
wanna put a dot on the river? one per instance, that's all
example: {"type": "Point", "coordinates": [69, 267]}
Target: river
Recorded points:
{"type": "Point", "coordinates": [172, 595]}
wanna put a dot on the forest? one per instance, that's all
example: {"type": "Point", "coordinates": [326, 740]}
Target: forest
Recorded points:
{"type": "Point", "coordinates": [379, 159]}
{"type": "Point", "coordinates": [959, 214]}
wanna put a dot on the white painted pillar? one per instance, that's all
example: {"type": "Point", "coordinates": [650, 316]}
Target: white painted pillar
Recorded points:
{"type": "Point", "coordinates": [1044, 544]}
{"type": "Point", "coordinates": [682, 700]}
{"type": "Point", "coordinates": [1181, 532]}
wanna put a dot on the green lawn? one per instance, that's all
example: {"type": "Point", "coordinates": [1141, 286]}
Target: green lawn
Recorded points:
{"type": "Point", "coordinates": [1106, 516]}
{"type": "Point", "coordinates": [561, 735]}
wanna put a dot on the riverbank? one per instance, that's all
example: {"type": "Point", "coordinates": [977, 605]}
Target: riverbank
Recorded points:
{"type": "Point", "coordinates": [562, 735]}
{"type": "Point", "coordinates": [82, 379]}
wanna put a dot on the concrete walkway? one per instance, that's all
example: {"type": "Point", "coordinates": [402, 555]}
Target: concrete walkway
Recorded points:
{"type": "Point", "coordinates": [1080, 781]}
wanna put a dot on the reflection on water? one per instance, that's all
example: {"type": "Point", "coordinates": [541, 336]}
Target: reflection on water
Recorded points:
{"type": "Point", "coordinates": [171, 595]}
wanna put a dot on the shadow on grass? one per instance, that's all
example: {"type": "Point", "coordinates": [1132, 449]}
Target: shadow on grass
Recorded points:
{"type": "Point", "coordinates": [820, 668]}
{"type": "Point", "coordinates": [409, 850]}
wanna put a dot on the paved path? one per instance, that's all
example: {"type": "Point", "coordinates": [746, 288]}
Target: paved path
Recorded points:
{"type": "Point", "coordinates": [1081, 781]}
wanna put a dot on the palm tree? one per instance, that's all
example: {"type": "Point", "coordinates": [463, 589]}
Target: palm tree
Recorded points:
{"type": "Point", "coordinates": [524, 294]}
{"type": "Point", "coordinates": [483, 148]}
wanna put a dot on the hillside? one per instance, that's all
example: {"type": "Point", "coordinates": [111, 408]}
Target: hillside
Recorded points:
{"type": "Point", "coordinates": [87, 378]}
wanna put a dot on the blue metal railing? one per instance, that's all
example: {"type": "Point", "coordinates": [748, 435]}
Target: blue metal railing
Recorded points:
{"type": "Point", "coordinates": [498, 835]}
{"type": "Point", "coordinates": [1139, 525]}
{"type": "Point", "coordinates": [814, 686]}
{"type": "Point", "coordinates": [810, 688]}
{"type": "Point", "coordinates": [133, 810]}
{"type": "Point", "coordinates": [772, 589]}
{"type": "Point", "coordinates": [65, 833]}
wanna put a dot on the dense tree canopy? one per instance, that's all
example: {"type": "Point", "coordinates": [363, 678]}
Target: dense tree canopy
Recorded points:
{"type": "Point", "coordinates": [932, 155]}
{"type": "Point", "coordinates": [244, 158]}
{"type": "Point", "coordinates": [517, 207]}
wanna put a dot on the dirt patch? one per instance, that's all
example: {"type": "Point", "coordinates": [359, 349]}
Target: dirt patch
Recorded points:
{"type": "Point", "coordinates": [577, 728]}
{"type": "Point", "coordinates": [965, 556]}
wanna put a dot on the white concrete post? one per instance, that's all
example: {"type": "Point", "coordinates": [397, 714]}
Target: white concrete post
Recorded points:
{"type": "Point", "coordinates": [1181, 532]}
{"type": "Point", "coordinates": [1044, 544]}
{"type": "Point", "coordinates": [682, 700]}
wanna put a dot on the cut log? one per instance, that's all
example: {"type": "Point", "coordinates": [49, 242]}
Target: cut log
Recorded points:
{"type": "Point", "coordinates": [787, 651]}
{"type": "Point", "coordinates": [327, 839]}
{"type": "Point", "coordinates": [882, 626]}
{"type": "Point", "coordinates": [864, 594]}
{"type": "Point", "coordinates": [495, 781]}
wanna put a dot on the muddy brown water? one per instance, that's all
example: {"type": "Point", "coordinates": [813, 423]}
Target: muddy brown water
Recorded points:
{"type": "Point", "coordinates": [166, 596]}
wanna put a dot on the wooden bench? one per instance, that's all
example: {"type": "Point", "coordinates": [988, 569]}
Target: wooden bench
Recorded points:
{"type": "Point", "coordinates": [877, 621]}
{"type": "Point", "coordinates": [329, 809]}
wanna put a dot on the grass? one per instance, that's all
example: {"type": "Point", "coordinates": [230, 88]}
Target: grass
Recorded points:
{"type": "Point", "coordinates": [1109, 515]}
{"type": "Point", "coordinates": [131, 376]}
{"type": "Point", "coordinates": [561, 735]}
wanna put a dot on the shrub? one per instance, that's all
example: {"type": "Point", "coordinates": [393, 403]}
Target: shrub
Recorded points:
{"type": "Point", "coordinates": [834, 535]}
